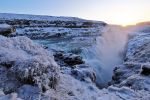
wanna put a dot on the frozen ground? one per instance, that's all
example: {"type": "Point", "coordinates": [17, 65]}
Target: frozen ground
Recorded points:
{"type": "Point", "coordinates": [18, 83]}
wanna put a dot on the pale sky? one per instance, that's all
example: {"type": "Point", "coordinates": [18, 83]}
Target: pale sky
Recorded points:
{"type": "Point", "coordinates": [122, 12]}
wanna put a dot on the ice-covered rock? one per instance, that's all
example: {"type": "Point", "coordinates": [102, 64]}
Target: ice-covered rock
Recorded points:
{"type": "Point", "coordinates": [135, 71]}
{"type": "Point", "coordinates": [138, 49]}
{"type": "Point", "coordinates": [137, 82]}
{"type": "Point", "coordinates": [6, 29]}
{"type": "Point", "coordinates": [24, 62]}
{"type": "Point", "coordinates": [67, 59]}
{"type": "Point", "coordinates": [84, 72]}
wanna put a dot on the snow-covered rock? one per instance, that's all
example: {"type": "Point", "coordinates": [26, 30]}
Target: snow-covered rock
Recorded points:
{"type": "Point", "coordinates": [138, 49]}
{"type": "Point", "coordinates": [135, 71]}
{"type": "Point", "coordinates": [72, 89]}
{"type": "Point", "coordinates": [68, 58]}
{"type": "Point", "coordinates": [6, 29]}
{"type": "Point", "coordinates": [24, 62]}
{"type": "Point", "coordinates": [84, 72]}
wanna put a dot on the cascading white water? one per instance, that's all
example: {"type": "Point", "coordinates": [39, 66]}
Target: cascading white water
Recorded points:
{"type": "Point", "coordinates": [107, 53]}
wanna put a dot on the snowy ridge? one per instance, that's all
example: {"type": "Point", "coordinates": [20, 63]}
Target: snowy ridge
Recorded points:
{"type": "Point", "coordinates": [9, 16]}
{"type": "Point", "coordinates": [45, 27]}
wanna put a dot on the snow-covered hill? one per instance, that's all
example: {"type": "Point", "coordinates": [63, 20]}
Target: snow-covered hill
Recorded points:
{"type": "Point", "coordinates": [9, 16]}
{"type": "Point", "coordinates": [50, 26]}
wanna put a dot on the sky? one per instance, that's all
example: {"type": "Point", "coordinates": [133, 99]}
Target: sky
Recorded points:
{"type": "Point", "coordinates": [124, 12]}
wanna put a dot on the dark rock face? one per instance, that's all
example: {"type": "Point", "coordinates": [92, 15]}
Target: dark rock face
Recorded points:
{"type": "Point", "coordinates": [68, 58]}
{"type": "Point", "coordinates": [6, 30]}
{"type": "Point", "coordinates": [145, 70]}
{"type": "Point", "coordinates": [73, 59]}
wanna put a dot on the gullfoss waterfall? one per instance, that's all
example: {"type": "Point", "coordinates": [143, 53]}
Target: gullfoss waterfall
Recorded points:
{"type": "Point", "coordinates": [106, 54]}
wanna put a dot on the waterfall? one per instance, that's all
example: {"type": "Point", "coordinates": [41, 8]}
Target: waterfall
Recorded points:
{"type": "Point", "coordinates": [107, 53]}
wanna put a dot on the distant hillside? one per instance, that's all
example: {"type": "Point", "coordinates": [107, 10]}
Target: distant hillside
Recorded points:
{"type": "Point", "coordinates": [143, 23]}
{"type": "Point", "coordinates": [44, 27]}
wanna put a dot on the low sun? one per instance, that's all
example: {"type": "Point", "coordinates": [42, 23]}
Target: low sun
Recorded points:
{"type": "Point", "coordinates": [123, 17]}
{"type": "Point", "coordinates": [125, 20]}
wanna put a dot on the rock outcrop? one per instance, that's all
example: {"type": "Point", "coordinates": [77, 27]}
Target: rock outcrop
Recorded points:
{"type": "Point", "coordinates": [68, 58]}
{"type": "Point", "coordinates": [6, 29]}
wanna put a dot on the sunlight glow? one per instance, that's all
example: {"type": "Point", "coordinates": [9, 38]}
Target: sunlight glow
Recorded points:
{"type": "Point", "coordinates": [123, 20]}
{"type": "Point", "coordinates": [122, 13]}
{"type": "Point", "coordinates": [125, 16]}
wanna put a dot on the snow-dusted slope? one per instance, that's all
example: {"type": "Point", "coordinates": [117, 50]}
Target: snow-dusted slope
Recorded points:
{"type": "Point", "coordinates": [24, 19]}
{"type": "Point", "coordinates": [36, 21]}
{"type": "Point", "coordinates": [36, 17]}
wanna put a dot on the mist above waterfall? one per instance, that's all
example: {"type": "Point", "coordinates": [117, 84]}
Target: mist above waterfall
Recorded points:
{"type": "Point", "coordinates": [112, 47]}
{"type": "Point", "coordinates": [107, 53]}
